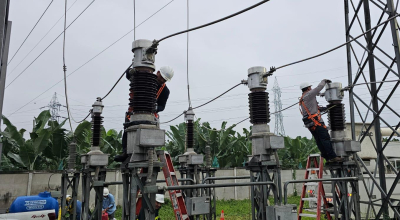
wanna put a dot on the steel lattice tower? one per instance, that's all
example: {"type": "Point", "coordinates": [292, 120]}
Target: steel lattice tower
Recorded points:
{"type": "Point", "coordinates": [54, 107]}
{"type": "Point", "coordinates": [363, 57]}
{"type": "Point", "coordinates": [279, 129]}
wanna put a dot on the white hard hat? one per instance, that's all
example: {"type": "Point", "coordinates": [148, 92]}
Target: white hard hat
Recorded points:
{"type": "Point", "coordinates": [68, 196]}
{"type": "Point", "coordinates": [167, 73]}
{"type": "Point", "coordinates": [305, 85]}
{"type": "Point", "coordinates": [105, 192]}
{"type": "Point", "coordinates": [160, 198]}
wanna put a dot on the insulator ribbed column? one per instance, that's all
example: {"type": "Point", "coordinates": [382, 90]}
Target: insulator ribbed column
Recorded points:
{"type": "Point", "coordinates": [259, 107]}
{"type": "Point", "coordinates": [336, 116]}
{"type": "Point", "coordinates": [189, 134]}
{"type": "Point", "coordinates": [143, 92]}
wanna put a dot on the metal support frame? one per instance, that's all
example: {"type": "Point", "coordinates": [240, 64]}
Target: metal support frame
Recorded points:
{"type": "Point", "coordinates": [346, 198]}
{"type": "Point", "coordinates": [355, 14]}
{"type": "Point", "coordinates": [266, 171]}
{"type": "Point", "coordinates": [69, 180]}
{"type": "Point", "coordinates": [92, 178]}
{"type": "Point", "coordinates": [207, 175]}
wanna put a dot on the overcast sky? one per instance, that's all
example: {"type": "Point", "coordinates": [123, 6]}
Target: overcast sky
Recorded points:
{"type": "Point", "coordinates": [273, 34]}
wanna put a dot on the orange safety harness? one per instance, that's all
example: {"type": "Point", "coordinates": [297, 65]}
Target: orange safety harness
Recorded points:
{"type": "Point", "coordinates": [310, 116]}
{"type": "Point", "coordinates": [128, 115]}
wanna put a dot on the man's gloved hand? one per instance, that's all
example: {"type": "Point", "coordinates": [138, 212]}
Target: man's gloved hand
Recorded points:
{"type": "Point", "coordinates": [128, 73]}
{"type": "Point", "coordinates": [322, 108]}
{"type": "Point", "coordinates": [327, 81]}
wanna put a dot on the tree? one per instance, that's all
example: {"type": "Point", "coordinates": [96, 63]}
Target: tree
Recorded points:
{"type": "Point", "coordinates": [294, 155]}
{"type": "Point", "coordinates": [47, 148]}
{"type": "Point", "coordinates": [44, 149]}
{"type": "Point", "coordinates": [228, 146]}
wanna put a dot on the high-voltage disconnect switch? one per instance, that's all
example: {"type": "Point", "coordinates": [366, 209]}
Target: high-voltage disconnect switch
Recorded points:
{"type": "Point", "coordinates": [143, 133]}
{"type": "Point", "coordinates": [264, 143]}
{"type": "Point", "coordinates": [95, 157]}
{"type": "Point", "coordinates": [342, 145]}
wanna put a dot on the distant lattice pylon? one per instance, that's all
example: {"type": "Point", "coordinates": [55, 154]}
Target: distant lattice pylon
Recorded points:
{"type": "Point", "coordinates": [279, 129]}
{"type": "Point", "coordinates": [54, 106]}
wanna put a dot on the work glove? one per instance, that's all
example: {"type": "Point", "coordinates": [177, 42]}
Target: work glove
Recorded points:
{"type": "Point", "coordinates": [327, 81]}
{"type": "Point", "coordinates": [322, 108]}
{"type": "Point", "coordinates": [128, 73]}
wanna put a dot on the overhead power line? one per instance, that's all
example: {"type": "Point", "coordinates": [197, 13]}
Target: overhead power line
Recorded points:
{"type": "Point", "coordinates": [49, 45]}
{"type": "Point", "coordinates": [91, 58]}
{"type": "Point", "coordinates": [41, 39]}
{"type": "Point", "coordinates": [206, 102]}
{"type": "Point", "coordinates": [214, 22]}
{"type": "Point", "coordinates": [65, 67]}
{"type": "Point", "coordinates": [30, 32]}
{"type": "Point", "coordinates": [335, 48]}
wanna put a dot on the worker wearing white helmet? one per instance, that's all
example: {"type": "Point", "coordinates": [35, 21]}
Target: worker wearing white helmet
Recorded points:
{"type": "Point", "coordinates": [159, 202]}
{"type": "Point", "coordinates": [312, 119]}
{"type": "Point", "coordinates": [108, 203]}
{"type": "Point", "coordinates": [164, 75]}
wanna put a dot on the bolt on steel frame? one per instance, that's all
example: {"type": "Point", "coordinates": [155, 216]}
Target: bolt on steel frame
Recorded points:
{"type": "Point", "coordinates": [372, 48]}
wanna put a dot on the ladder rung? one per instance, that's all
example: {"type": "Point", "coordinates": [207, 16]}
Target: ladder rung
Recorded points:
{"type": "Point", "coordinates": [311, 184]}
{"type": "Point", "coordinates": [172, 173]}
{"type": "Point", "coordinates": [330, 210]}
{"type": "Point", "coordinates": [309, 169]}
{"type": "Point", "coordinates": [310, 199]}
{"type": "Point", "coordinates": [185, 216]}
{"type": "Point", "coordinates": [308, 215]}
{"type": "Point", "coordinates": [311, 210]}
{"type": "Point", "coordinates": [178, 194]}
{"type": "Point", "coordinates": [314, 155]}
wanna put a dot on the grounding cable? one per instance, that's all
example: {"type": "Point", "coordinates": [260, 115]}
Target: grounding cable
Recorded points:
{"type": "Point", "coordinates": [187, 56]}
{"type": "Point", "coordinates": [30, 32]}
{"type": "Point", "coordinates": [49, 45]}
{"type": "Point", "coordinates": [211, 23]}
{"type": "Point", "coordinates": [335, 48]}
{"type": "Point", "coordinates": [65, 68]}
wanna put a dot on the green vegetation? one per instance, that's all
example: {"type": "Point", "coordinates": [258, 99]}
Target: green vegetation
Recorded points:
{"type": "Point", "coordinates": [47, 148]}
{"type": "Point", "coordinates": [233, 209]}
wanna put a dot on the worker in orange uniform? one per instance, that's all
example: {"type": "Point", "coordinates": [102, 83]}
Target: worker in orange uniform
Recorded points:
{"type": "Point", "coordinates": [164, 75]}
{"type": "Point", "coordinates": [313, 121]}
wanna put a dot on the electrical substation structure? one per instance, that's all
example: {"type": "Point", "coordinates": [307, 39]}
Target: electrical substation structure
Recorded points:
{"type": "Point", "coordinates": [195, 198]}
{"type": "Point", "coordinates": [358, 18]}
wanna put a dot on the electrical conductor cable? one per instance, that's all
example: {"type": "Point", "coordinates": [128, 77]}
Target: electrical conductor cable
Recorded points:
{"type": "Point", "coordinates": [92, 57]}
{"type": "Point", "coordinates": [49, 45]}
{"type": "Point", "coordinates": [23, 59]}
{"type": "Point", "coordinates": [65, 67]}
{"type": "Point", "coordinates": [30, 32]}
{"type": "Point", "coordinates": [213, 22]}
{"type": "Point", "coordinates": [335, 48]}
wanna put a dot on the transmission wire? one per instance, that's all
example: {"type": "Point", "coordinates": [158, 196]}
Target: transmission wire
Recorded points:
{"type": "Point", "coordinates": [187, 56]}
{"type": "Point", "coordinates": [49, 45]}
{"type": "Point", "coordinates": [30, 32]}
{"type": "Point", "coordinates": [213, 22]}
{"type": "Point", "coordinates": [23, 59]}
{"type": "Point", "coordinates": [205, 103]}
{"type": "Point", "coordinates": [65, 68]}
{"type": "Point", "coordinates": [93, 57]}
{"type": "Point", "coordinates": [335, 48]}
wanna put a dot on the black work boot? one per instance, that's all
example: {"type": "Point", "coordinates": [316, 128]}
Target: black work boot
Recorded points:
{"type": "Point", "coordinates": [121, 158]}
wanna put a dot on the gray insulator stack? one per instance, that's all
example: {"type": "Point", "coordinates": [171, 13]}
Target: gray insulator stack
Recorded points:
{"type": "Point", "coordinates": [72, 156]}
{"type": "Point", "coordinates": [208, 156]}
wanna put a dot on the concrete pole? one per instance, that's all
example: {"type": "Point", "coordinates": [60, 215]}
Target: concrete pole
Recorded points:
{"type": "Point", "coordinates": [5, 32]}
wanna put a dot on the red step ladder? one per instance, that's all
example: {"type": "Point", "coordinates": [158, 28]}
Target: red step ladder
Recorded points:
{"type": "Point", "coordinates": [178, 203]}
{"type": "Point", "coordinates": [315, 164]}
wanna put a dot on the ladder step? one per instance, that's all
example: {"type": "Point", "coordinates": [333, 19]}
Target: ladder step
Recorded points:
{"type": "Point", "coordinates": [311, 210]}
{"type": "Point", "coordinates": [314, 155]}
{"type": "Point", "coordinates": [178, 194]}
{"type": "Point", "coordinates": [185, 216]}
{"type": "Point", "coordinates": [310, 199]}
{"type": "Point", "coordinates": [172, 173]}
{"type": "Point", "coordinates": [308, 215]}
{"type": "Point", "coordinates": [311, 184]}
{"type": "Point", "coordinates": [309, 169]}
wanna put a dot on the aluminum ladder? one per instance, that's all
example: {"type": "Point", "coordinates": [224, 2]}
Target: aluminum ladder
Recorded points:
{"type": "Point", "coordinates": [315, 164]}
{"type": "Point", "coordinates": [176, 196]}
